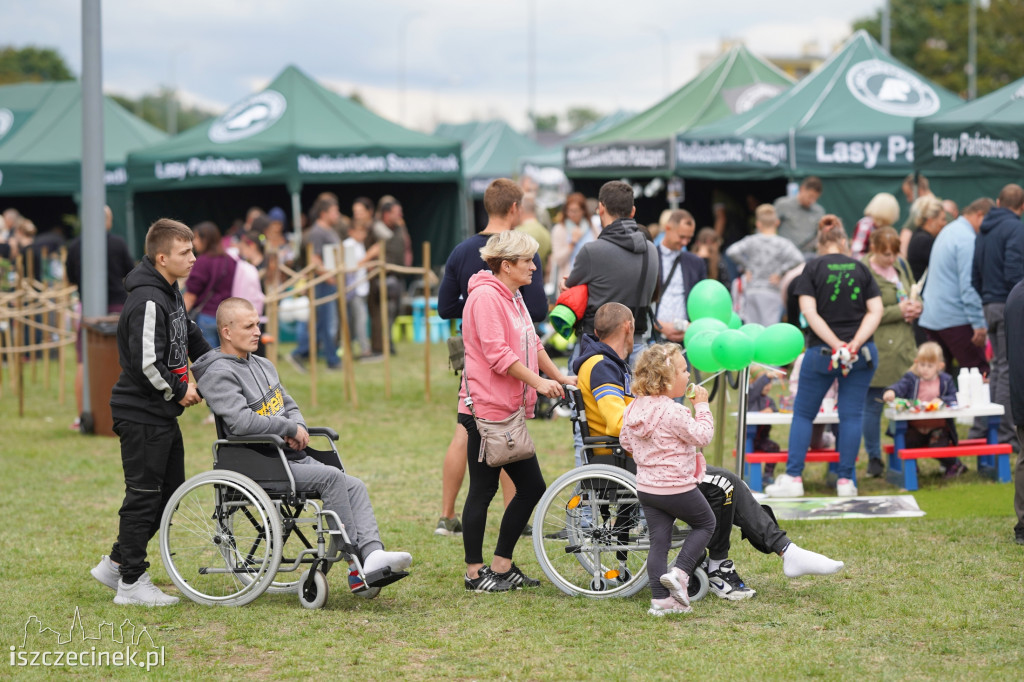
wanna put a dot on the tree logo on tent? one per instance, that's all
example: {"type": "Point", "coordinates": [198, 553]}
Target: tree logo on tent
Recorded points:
{"type": "Point", "coordinates": [250, 116]}
{"type": "Point", "coordinates": [754, 95]}
{"type": "Point", "coordinates": [6, 121]}
{"type": "Point", "coordinates": [890, 89]}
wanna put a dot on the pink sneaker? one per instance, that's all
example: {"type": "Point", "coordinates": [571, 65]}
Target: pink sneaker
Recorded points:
{"type": "Point", "coordinates": [660, 607]}
{"type": "Point", "coordinates": [677, 582]}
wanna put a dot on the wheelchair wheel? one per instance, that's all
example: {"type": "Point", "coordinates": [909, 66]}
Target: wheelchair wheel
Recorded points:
{"type": "Point", "coordinates": [315, 595]}
{"type": "Point", "coordinates": [589, 533]}
{"type": "Point", "coordinates": [295, 540]}
{"type": "Point", "coordinates": [220, 539]}
{"type": "Point", "coordinates": [699, 584]}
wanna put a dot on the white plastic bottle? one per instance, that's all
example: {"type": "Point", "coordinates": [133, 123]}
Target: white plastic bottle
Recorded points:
{"type": "Point", "coordinates": [977, 387]}
{"type": "Point", "coordinates": [963, 384]}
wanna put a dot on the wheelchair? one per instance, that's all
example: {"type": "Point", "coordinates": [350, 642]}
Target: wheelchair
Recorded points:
{"type": "Point", "coordinates": [231, 534]}
{"type": "Point", "coordinates": [589, 532]}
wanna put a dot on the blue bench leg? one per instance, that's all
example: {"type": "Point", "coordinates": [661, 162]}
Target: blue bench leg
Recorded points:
{"type": "Point", "coordinates": [910, 474]}
{"type": "Point", "coordinates": [755, 478]}
{"type": "Point", "coordinates": [899, 441]}
{"type": "Point", "coordinates": [1004, 468]}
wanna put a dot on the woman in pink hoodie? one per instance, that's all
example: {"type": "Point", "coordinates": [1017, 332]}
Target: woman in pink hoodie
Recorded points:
{"type": "Point", "coordinates": [665, 440]}
{"type": "Point", "coordinates": [503, 357]}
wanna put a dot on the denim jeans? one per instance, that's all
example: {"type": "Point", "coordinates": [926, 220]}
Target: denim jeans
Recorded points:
{"type": "Point", "coordinates": [873, 407]}
{"type": "Point", "coordinates": [815, 380]}
{"type": "Point", "coordinates": [208, 326]}
{"type": "Point", "coordinates": [326, 328]}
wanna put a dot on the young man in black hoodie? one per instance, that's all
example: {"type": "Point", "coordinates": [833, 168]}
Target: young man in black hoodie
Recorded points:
{"type": "Point", "coordinates": [155, 340]}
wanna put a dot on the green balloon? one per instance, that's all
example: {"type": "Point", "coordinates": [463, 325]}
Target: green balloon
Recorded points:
{"type": "Point", "coordinates": [735, 322]}
{"type": "Point", "coordinates": [753, 330]}
{"type": "Point", "coordinates": [779, 344]}
{"type": "Point", "coordinates": [698, 352]}
{"type": "Point", "coordinates": [709, 298]}
{"type": "Point", "coordinates": [704, 324]}
{"type": "Point", "coordinates": [733, 349]}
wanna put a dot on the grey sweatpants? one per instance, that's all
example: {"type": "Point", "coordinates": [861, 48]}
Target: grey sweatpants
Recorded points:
{"type": "Point", "coordinates": [661, 511]}
{"type": "Point", "coordinates": [346, 496]}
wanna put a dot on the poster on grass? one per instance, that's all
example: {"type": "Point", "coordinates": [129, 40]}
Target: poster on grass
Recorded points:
{"type": "Point", "coordinates": [866, 507]}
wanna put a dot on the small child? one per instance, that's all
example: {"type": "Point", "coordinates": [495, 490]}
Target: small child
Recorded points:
{"type": "Point", "coordinates": [925, 382]}
{"type": "Point", "coordinates": [665, 440]}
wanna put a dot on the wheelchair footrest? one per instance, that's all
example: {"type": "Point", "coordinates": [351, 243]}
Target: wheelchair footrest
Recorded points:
{"type": "Point", "coordinates": [384, 576]}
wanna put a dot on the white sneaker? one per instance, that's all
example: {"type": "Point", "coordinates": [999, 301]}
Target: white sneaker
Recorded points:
{"type": "Point", "coordinates": [106, 572]}
{"type": "Point", "coordinates": [142, 592]}
{"type": "Point", "coordinates": [677, 583]}
{"type": "Point", "coordinates": [785, 486]}
{"type": "Point", "coordinates": [846, 488]}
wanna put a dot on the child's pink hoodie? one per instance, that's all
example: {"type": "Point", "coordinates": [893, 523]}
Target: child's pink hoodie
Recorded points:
{"type": "Point", "coordinates": [497, 331]}
{"type": "Point", "coordinates": [665, 440]}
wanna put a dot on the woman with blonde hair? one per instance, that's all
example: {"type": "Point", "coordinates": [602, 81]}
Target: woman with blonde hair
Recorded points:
{"type": "Point", "coordinates": [882, 211]}
{"type": "Point", "coordinates": [929, 219]}
{"type": "Point", "coordinates": [504, 358]}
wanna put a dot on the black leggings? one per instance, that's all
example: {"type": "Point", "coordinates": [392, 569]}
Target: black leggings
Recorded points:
{"type": "Point", "coordinates": [661, 511]}
{"type": "Point", "coordinates": [483, 484]}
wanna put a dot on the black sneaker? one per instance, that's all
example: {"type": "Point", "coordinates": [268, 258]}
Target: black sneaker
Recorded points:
{"type": "Point", "coordinates": [517, 579]}
{"type": "Point", "coordinates": [527, 532]}
{"type": "Point", "coordinates": [488, 581]}
{"type": "Point", "coordinates": [727, 584]}
{"type": "Point", "coordinates": [875, 468]}
{"type": "Point", "coordinates": [1019, 538]}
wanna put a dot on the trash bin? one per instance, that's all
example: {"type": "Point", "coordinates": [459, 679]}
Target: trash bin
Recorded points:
{"type": "Point", "coordinates": [104, 370]}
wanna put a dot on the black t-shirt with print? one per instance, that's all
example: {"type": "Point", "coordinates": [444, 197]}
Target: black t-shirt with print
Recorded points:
{"type": "Point", "coordinates": [841, 286]}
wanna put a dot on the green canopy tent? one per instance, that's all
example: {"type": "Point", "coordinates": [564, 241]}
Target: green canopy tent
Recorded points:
{"type": "Point", "coordinates": [490, 150]}
{"type": "Point", "coordinates": [642, 146]}
{"type": "Point", "coordinates": [849, 122]}
{"type": "Point", "coordinates": [976, 149]}
{"type": "Point", "coordinates": [554, 157]}
{"type": "Point", "coordinates": [41, 150]}
{"type": "Point", "coordinates": [290, 142]}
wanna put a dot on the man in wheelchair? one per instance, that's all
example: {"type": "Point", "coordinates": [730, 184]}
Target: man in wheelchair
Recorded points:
{"type": "Point", "coordinates": [245, 392]}
{"type": "Point", "coordinates": [604, 382]}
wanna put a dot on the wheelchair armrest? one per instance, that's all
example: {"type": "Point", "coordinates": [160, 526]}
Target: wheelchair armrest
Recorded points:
{"type": "Point", "coordinates": [322, 431]}
{"type": "Point", "coordinates": [255, 439]}
{"type": "Point", "coordinates": [604, 441]}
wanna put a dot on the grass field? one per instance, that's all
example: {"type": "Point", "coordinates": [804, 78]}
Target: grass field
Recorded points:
{"type": "Point", "coordinates": [938, 597]}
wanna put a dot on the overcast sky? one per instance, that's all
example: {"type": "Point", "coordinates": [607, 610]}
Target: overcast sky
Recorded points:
{"type": "Point", "coordinates": [464, 59]}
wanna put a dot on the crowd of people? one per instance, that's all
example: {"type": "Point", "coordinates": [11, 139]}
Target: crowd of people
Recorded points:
{"type": "Point", "coordinates": [885, 313]}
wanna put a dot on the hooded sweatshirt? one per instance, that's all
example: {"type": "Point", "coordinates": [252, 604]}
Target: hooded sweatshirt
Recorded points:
{"type": "Point", "coordinates": [998, 255]}
{"type": "Point", "coordinates": [246, 393]}
{"type": "Point", "coordinates": [603, 379]}
{"type": "Point", "coordinates": [155, 340]}
{"type": "Point", "coordinates": [665, 440]}
{"type": "Point", "coordinates": [497, 331]}
{"type": "Point", "coordinates": [611, 266]}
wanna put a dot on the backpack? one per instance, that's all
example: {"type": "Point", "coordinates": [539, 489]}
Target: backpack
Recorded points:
{"type": "Point", "coordinates": [247, 284]}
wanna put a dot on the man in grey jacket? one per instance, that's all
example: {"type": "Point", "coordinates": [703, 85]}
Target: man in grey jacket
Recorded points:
{"type": "Point", "coordinates": [245, 391]}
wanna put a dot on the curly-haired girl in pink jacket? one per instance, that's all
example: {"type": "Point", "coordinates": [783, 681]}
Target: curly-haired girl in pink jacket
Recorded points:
{"type": "Point", "coordinates": [665, 440]}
